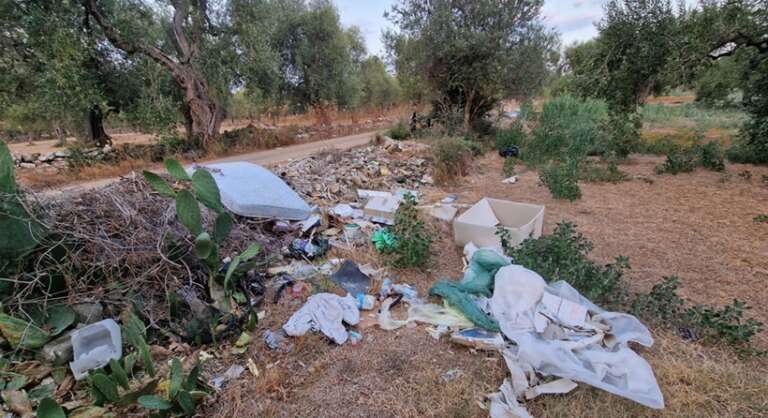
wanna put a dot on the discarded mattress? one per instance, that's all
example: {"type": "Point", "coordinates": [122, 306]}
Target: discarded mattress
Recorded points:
{"type": "Point", "coordinates": [253, 191]}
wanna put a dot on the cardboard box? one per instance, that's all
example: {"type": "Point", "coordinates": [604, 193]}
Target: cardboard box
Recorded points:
{"type": "Point", "coordinates": [480, 222]}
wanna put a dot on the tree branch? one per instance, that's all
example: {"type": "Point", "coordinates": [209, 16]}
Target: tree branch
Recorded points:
{"type": "Point", "coordinates": [180, 14]}
{"type": "Point", "coordinates": [129, 47]}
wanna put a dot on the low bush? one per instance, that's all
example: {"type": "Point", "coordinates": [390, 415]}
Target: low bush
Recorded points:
{"type": "Point", "coordinates": [725, 324]}
{"type": "Point", "coordinates": [512, 137]}
{"type": "Point", "coordinates": [412, 238]}
{"type": "Point", "coordinates": [509, 167]}
{"type": "Point", "coordinates": [562, 179]}
{"type": "Point", "coordinates": [710, 156]}
{"type": "Point", "coordinates": [678, 162]}
{"type": "Point", "coordinates": [661, 305]}
{"type": "Point", "coordinates": [621, 136]}
{"type": "Point", "coordinates": [399, 132]}
{"type": "Point", "coordinates": [751, 146]}
{"type": "Point", "coordinates": [475, 146]}
{"type": "Point", "coordinates": [594, 173]}
{"type": "Point", "coordinates": [760, 219]}
{"type": "Point", "coordinates": [453, 157]}
{"type": "Point", "coordinates": [563, 255]}
{"type": "Point", "coordinates": [567, 128]}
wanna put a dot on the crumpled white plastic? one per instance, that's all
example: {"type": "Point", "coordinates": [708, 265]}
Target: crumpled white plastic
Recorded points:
{"type": "Point", "coordinates": [324, 312]}
{"type": "Point", "coordinates": [427, 313]}
{"type": "Point", "coordinates": [606, 363]}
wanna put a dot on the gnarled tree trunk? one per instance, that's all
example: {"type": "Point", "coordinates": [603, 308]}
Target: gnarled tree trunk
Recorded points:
{"type": "Point", "coordinates": [202, 112]}
{"type": "Point", "coordinates": [95, 131]}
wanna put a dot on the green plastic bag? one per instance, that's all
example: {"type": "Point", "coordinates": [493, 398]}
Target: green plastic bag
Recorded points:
{"type": "Point", "coordinates": [477, 281]}
{"type": "Point", "coordinates": [384, 241]}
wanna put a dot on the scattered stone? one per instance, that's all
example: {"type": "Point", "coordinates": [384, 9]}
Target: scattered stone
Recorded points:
{"type": "Point", "coordinates": [59, 351]}
{"type": "Point", "coordinates": [88, 313]}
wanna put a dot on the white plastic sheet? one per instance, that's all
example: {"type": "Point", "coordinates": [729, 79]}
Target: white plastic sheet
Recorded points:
{"type": "Point", "coordinates": [327, 313]}
{"type": "Point", "coordinates": [585, 356]}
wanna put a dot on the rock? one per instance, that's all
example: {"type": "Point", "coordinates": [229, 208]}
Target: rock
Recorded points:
{"type": "Point", "coordinates": [107, 149]}
{"type": "Point", "coordinates": [29, 158]}
{"type": "Point", "coordinates": [47, 157]}
{"type": "Point", "coordinates": [88, 313]}
{"type": "Point", "coordinates": [58, 351]}
{"type": "Point", "coordinates": [62, 154]}
{"type": "Point", "coordinates": [27, 165]}
{"type": "Point", "coordinates": [427, 179]}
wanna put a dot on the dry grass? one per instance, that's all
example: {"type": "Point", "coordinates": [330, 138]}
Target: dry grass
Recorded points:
{"type": "Point", "coordinates": [692, 225]}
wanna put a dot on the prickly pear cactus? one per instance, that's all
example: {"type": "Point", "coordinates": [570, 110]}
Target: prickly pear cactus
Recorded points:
{"type": "Point", "coordinates": [20, 232]}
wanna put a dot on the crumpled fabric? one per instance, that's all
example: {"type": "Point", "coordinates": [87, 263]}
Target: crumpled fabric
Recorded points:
{"type": "Point", "coordinates": [324, 312]}
{"type": "Point", "coordinates": [613, 367]}
{"type": "Point", "coordinates": [478, 281]}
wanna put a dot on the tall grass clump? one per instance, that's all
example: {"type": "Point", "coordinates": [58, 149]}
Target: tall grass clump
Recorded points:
{"type": "Point", "coordinates": [567, 127]}
{"type": "Point", "coordinates": [453, 157]}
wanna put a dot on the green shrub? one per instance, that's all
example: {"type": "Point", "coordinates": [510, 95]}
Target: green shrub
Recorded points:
{"type": "Point", "coordinates": [568, 128]}
{"type": "Point", "coordinates": [710, 156]}
{"type": "Point", "coordinates": [412, 239]}
{"type": "Point", "coordinates": [661, 305]}
{"type": "Point", "coordinates": [474, 146]}
{"type": "Point", "coordinates": [514, 136]}
{"type": "Point", "coordinates": [562, 179]}
{"type": "Point", "coordinates": [726, 323]}
{"type": "Point", "coordinates": [751, 146]}
{"type": "Point", "coordinates": [678, 162]}
{"type": "Point", "coordinates": [563, 255]}
{"type": "Point", "coordinates": [622, 136]}
{"type": "Point", "coordinates": [453, 157]}
{"type": "Point", "coordinates": [399, 132]}
{"type": "Point", "coordinates": [594, 173]}
{"type": "Point", "coordinates": [509, 167]}
{"type": "Point", "coordinates": [760, 219]}
{"type": "Point", "coordinates": [662, 146]}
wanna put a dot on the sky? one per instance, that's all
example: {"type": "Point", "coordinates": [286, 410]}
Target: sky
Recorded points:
{"type": "Point", "coordinates": [573, 19]}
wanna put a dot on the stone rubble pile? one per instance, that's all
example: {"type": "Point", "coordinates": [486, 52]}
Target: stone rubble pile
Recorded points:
{"type": "Point", "coordinates": [59, 159]}
{"type": "Point", "coordinates": [336, 175]}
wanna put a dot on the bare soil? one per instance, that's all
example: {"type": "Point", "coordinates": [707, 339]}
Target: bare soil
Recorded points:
{"type": "Point", "coordinates": [697, 226]}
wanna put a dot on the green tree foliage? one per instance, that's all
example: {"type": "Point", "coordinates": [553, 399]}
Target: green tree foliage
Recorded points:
{"type": "Point", "coordinates": [320, 60]}
{"type": "Point", "coordinates": [379, 88]}
{"type": "Point", "coordinates": [57, 73]}
{"type": "Point", "coordinates": [472, 53]}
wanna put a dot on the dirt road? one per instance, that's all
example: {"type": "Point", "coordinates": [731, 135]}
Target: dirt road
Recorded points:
{"type": "Point", "coordinates": [266, 157]}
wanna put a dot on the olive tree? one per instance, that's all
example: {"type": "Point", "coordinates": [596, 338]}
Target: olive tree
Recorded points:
{"type": "Point", "coordinates": [474, 53]}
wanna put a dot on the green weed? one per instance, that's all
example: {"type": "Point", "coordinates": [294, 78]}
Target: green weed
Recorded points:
{"type": "Point", "coordinates": [453, 157]}
{"type": "Point", "coordinates": [562, 179]}
{"type": "Point", "coordinates": [399, 132]}
{"type": "Point", "coordinates": [413, 240]}
{"type": "Point", "coordinates": [594, 173]}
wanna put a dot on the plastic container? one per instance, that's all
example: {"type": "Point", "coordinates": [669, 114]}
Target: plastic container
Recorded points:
{"type": "Point", "coordinates": [94, 346]}
{"type": "Point", "coordinates": [365, 302]}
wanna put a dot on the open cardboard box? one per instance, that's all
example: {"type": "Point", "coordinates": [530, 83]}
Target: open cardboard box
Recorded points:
{"type": "Point", "coordinates": [480, 222]}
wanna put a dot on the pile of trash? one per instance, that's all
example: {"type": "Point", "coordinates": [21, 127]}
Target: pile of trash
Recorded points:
{"type": "Point", "coordinates": [336, 175]}
{"type": "Point", "coordinates": [549, 335]}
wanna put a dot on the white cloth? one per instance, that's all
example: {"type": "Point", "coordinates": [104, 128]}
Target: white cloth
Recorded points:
{"type": "Point", "coordinates": [325, 312]}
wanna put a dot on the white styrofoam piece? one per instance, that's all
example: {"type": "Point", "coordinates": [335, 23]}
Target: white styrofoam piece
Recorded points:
{"type": "Point", "coordinates": [94, 346]}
